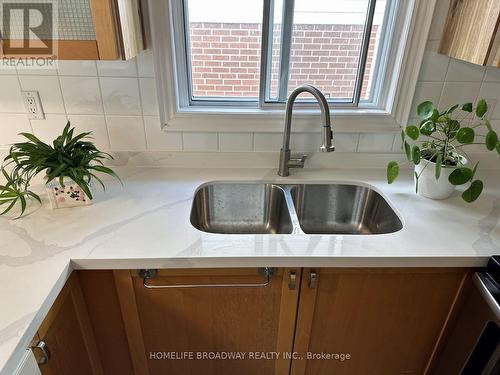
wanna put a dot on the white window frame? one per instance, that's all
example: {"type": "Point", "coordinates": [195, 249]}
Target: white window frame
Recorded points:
{"type": "Point", "coordinates": [412, 24]}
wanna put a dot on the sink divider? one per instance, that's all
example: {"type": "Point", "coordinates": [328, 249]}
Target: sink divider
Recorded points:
{"type": "Point", "coordinates": [287, 191]}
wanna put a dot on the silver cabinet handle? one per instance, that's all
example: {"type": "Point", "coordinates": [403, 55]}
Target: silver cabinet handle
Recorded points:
{"type": "Point", "coordinates": [149, 274]}
{"type": "Point", "coordinates": [293, 280]}
{"type": "Point", "coordinates": [313, 279]}
{"type": "Point", "coordinates": [42, 346]}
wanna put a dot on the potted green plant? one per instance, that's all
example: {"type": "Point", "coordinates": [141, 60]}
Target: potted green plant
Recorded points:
{"type": "Point", "coordinates": [70, 165]}
{"type": "Point", "coordinates": [436, 148]}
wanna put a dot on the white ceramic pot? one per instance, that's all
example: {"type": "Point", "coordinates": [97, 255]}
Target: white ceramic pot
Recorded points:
{"type": "Point", "coordinates": [428, 186]}
{"type": "Point", "coordinates": [69, 195]}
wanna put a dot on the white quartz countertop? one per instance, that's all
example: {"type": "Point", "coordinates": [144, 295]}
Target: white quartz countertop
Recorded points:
{"type": "Point", "coordinates": [145, 224]}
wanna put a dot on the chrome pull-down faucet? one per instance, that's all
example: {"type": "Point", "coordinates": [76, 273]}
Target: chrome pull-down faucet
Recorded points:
{"type": "Point", "coordinates": [286, 162]}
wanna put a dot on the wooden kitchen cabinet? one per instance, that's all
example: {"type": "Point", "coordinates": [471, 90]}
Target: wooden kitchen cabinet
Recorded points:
{"type": "Point", "coordinates": [387, 320]}
{"type": "Point", "coordinates": [471, 32]}
{"type": "Point", "coordinates": [89, 30]}
{"type": "Point", "coordinates": [209, 320]}
{"type": "Point", "coordinates": [68, 335]}
{"type": "Point", "coordinates": [367, 320]}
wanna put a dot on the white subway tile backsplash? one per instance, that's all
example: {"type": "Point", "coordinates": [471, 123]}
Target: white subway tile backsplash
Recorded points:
{"type": "Point", "coordinates": [459, 92]}
{"type": "Point", "coordinates": [10, 95]}
{"type": "Point", "coordinates": [492, 74]}
{"type": "Point", "coordinates": [120, 96]}
{"type": "Point", "coordinates": [462, 71]}
{"type": "Point", "coordinates": [201, 142]}
{"type": "Point", "coordinates": [375, 142]}
{"type": "Point", "coordinates": [42, 71]}
{"type": "Point", "coordinates": [426, 91]}
{"type": "Point", "coordinates": [434, 65]}
{"type": "Point", "coordinates": [149, 96]}
{"type": "Point", "coordinates": [95, 124]}
{"type": "Point", "coordinates": [126, 133]}
{"type": "Point", "coordinates": [11, 124]}
{"type": "Point", "coordinates": [145, 64]}
{"type": "Point", "coordinates": [81, 95]}
{"type": "Point", "coordinates": [49, 90]}
{"type": "Point", "coordinates": [7, 69]}
{"type": "Point", "coordinates": [346, 142]}
{"type": "Point", "coordinates": [77, 68]}
{"type": "Point", "coordinates": [159, 139]}
{"type": "Point", "coordinates": [267, 142]}
{"type": "Point", "coordinates": [49, 128]}
{"type": "Point", "coordinates": [117, 68]}
{"type": "Point", "coordinates": [235, 142]}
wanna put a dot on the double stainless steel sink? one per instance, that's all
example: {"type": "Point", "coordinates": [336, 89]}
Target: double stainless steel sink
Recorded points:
{"type": "Point", "coordinates": [269, 208]}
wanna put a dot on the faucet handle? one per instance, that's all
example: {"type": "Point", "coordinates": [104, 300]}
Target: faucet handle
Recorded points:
{"type": "Point", "coordinates": [297, 161]}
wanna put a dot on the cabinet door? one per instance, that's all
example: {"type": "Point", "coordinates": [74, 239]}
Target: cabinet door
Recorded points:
{"type": "Point", "coordinates": [471, 32]}
{"type": "Point", "coordinates": [387, 321]}
{"type": "Point", "coordinates": [186, 323]}
{"type": "Point", "coordinates": [68, 335]}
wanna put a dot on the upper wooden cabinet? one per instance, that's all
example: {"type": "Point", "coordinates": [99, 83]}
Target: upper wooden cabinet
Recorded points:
{"type": "Point", "coordinates": [471, 32]}
{"type": "Point", "coordinates": [75, 30]}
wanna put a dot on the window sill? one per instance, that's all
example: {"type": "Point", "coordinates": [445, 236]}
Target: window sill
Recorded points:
{"type": "Point", "coordinates": [272, 121]}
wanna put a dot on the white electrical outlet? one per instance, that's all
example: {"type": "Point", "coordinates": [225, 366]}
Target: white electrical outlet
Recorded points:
{"type": "Point", "coordinates": [33, 105]}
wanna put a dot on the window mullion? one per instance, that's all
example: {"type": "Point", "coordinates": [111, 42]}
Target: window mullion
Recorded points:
{"type": "Point", "coordinates": [364, 51]}
{"type": "Point", "coordinates": [285, 48]}
{"type": "Point", "coordinates": [265, 55]}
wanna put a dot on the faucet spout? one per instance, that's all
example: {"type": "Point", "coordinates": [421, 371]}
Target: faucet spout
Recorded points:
{"type": "Point", "coordinates": [285, 162]}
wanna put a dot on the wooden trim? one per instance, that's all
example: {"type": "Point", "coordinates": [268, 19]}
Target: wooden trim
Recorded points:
{"type": "Point", "coordinates": [287, 319]}
{"type": "Point", "coordinates": [131, 321]}
{"type": "Point", "coordinates": [85, 325]}
{"type": "Point", "coordinates": [105, 29]}
{"type": "Point", "coordinates": [446, 324]}
{"type": "Point", "coordinates": [129, 20]}
{"type": "Point", "coordinates": [64, 50]}
{"type": "Point", "coordinates": [305, 316]}
{"type": "Point", "coordinates": [54, 311]}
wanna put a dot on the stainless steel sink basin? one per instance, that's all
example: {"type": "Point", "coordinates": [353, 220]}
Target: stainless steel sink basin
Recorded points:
{"type": "Point", "coordinates": [244, 208]}
{"type": "Point", "coordinates": [267, 208]}
{"type": "Point", "coordinates": [343, 209]}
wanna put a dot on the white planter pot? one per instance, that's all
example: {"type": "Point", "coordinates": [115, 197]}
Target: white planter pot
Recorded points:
{"type": "Point", "coordinates": [428, 186]}
{"type": "Point", "coordinates": [69, 195]}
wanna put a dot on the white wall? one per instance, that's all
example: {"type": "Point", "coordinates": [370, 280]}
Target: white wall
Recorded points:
{"type": "Point", "coordinates": [116, 100]}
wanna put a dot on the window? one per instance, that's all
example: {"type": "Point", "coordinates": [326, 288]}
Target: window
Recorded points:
{"type": "Point", "coordinates": [229, 58]}
{"type": "Point", "coordinates": [329, 44]}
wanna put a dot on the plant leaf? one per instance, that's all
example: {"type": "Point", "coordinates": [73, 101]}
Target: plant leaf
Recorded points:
{"type": "Point", "coordinates": [467, 107]}
{"type": "Point", "coordinates": [416, 182]}
{"type": "Point", "coordinates": [408, 151]}
{"type": "Point", "coordinates": [481, 108]}
{"type": "Point", "coordinates": [452, 109]}
{"type": "Point", "coordinates": [473, 191]}
{"type": "Point", "coordinates": [427, 110]}
{"type": "Point", "coordinates": [460, 176]}
{"type": "Point", "coordinates": [415, 155]}
{"type": "Point", "coordinates": [491, 140]}
{"type": "Point", "coordinates": [392, 171]}
{"type": "Point", "coordinates": [427, 127]}
{"type": "Point", "coordinates": [465, 135]}
{"type": "Point", "coordinates": [412, 132]}
{"type": "Point", "coordinates": [439, 164]}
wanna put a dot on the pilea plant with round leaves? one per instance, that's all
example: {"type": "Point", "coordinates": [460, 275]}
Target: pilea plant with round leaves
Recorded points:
{"type": "Point", "coordinates": [441, 138]}
{"type": "Point", "coordinates": [70, 155]}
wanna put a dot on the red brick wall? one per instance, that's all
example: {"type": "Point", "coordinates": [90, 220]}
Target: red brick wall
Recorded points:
{"type": "Point", "coordinates": [226, 59]}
